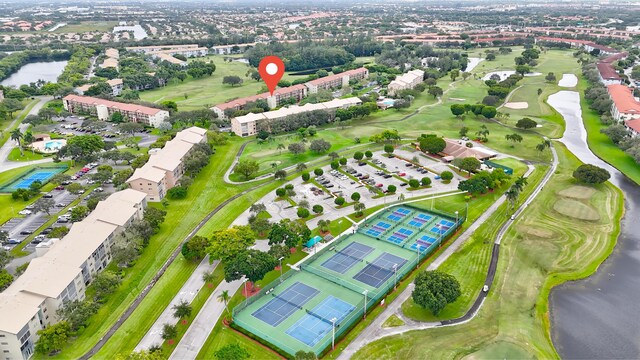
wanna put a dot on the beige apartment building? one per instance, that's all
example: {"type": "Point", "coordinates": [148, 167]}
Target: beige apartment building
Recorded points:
{"type": "Point", "coordinates": [166, 166]}
{"type": "Point", "coordinates": [61, 273]}
{"type": "Point", "coordinates": [337, 80]}
{"type": "Point", "coordinates": [246, 125]}
{"type": "Point", "coordinates": [103, 109]}
{"type": "Point", "coordinates": [405, 81]}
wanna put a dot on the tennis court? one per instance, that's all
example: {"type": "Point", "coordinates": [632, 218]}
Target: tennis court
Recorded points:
{"type": "Point", "coordinates": [295, 313]}
{"type": "Point", "coordinates": [24, 181]}
{"type": "Point", "coordinates": [344, 259]}
{"type": "Point", "coordinates": [317, 323]}
{"type": "Point", "coordinates": [380, 270]}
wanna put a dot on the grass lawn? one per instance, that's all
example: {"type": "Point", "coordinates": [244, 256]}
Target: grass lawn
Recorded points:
{"type": "Point", "coordinates": [193, 94]}
{"type": "Point", "coordinates": [393, 321]}
{"type": "Point", "coordinates": [543, 249]}
{"type": "Point", "coordinates": [14, 155]}
{"type": "Point", "coordinates": [600, 143]}
{"type": "Point", "coordinates": [336, 227]}
{"type": "Point", "coordinates": [87, 26]}
{"type": "Point", "coordinates": [5, 129]}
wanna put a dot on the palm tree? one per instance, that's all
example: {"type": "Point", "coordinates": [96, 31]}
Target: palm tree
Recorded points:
{"type": "Point", "coordinates": [16, 135]}
{"type": "Point", "coordinates": [512, 195]}
{"type": "Point", "coordinates": [324, 225]}
{"type": "Point", "coordinates": [182, 310]}
{"type": "Point", "coordinates": [208, 277]}
{"type": "Point", "coordinates": [358, 207]}
{"type": "Point", "coordinates": [224, 297]}
{"type": "Point", "coordinates": [301, 167]}
{"type": "Point", "coordinates": [545, 144]}
{"type": "Point", "coordinates": [280, 148]}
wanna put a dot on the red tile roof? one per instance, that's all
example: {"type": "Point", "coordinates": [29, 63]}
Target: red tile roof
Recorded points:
{"type": "Point", "coordinates": [112, 104]}
{"type": "Point", "coordinates": [329, 78]}
{"type": "Point", "coordinates": [623, 99]}
{"type": "Point", "coordinates": [633, 124]}
{"type": "Point", "coordinates": [607, 71]}
{"type": "Point", "coordinates": [242, 101]}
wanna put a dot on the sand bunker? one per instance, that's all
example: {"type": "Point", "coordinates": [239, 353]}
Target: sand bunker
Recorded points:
{"type": "Point", "coordinates": [577, 192]}
{"type": "Point", "coordinates": [517, 105]}
{"type": "Point", "coordinates": [532, 74]}
{"type": "Point", "coordinates": [575, 209]}
{"type": "Point", "coordinates": [568, 80]}
{"type": "Point", "coordinates": [457, 99]}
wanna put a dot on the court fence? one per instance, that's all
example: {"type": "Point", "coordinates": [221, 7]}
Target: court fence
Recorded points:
{"type": "Point", "coordinates": [372, 296]}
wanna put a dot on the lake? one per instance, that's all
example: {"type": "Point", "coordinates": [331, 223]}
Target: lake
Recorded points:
{"type": "Point", "coordinates": [47, 71]}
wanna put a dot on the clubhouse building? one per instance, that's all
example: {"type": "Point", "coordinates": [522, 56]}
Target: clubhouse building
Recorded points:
{"type": "Point", "coordinates": [103, 109]}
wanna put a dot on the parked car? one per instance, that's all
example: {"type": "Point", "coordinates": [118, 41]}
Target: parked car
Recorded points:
{"type": "Point", "coordinates": [47, 196]}
{"type": "Point", "coordinates": [402, 174]}
{"type": "Point", "coordinates": [13, 241]}
{"type": "Point", "coordinates": [404, 184]}
{"type": "Point", "coordinates": [60, 205]}
{"type": "Point", "coordinates": [46, 231]}
{"type": "Point", "coordinates": [59, 187]}
{"type": "Point", "coordinates": [24, 212]}
{"type": "Point", "coordinates": [379, 185]}
{"type": "Point", "coordinates": [26, 232]}
{"type": "Point", "coordinates": [362, 163]}
{"type": "Point", "coordinates": [99, 189]}
{"type": "Point", "coordinates": [66, 182]}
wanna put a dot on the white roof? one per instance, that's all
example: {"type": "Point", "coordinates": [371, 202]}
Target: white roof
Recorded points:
{"type": "Point", "coordinates": [295, 109]}
{"type": "Point", "coordinates": [17, 309]}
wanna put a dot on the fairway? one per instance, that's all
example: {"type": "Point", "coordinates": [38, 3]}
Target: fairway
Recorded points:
{"type": "Point", "coordinates": [334, 286]}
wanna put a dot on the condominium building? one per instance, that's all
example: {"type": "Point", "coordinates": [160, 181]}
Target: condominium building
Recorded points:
{"type": "Point", "coordinates": [624, 106]}
{"type": "Point", "coordinates": [231, 49]}
{"type": "Point", "coordinates": [336, 80]}
{"type": "Point", "coordinates": [166, 166]}
{"type": "Point", "coordinates": [103, 109]}
{"type": "Point", "coordinates": [297, 92]}
{"type": "Point", "coordinates": [170, 59]}
{"type": "Point", "coordinates": [117, 85]}
{"type": "Point", "coordinates": [247, 125]}
{"type": "Point", "coordinates": [62, 272]}
{"type": "Point", "coordinates": [405, 81]}
{"type": "Point", "coordinates": [186, 50]}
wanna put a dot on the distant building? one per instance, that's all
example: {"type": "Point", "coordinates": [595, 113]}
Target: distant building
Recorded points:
{"type": "Point", "coordinates": [297, 92]}
{"type": "Point", "coordinates": [336, 80]}
{"type": "Point", "coordinates": [166, 166]}
{"type": "Point", "coordinates": [625, 106]}
{"type": "Point", "coordinates": [231, 49]}
{"type": "Point", "coordinates": [116, 86]}
{"type": "Point", "coordinates": [247, 125]}
{"type": "Point", "coordinates": [405, 81]}
{"type": "Point", "coordinates": [103, 109]}
{"type": "Point", "coordinates": [62, 271]}
{"type": "Point", "coordinates": [169, 58]}
{"type": "Point", "coordinates": [458, 149]}
{"type": "Point", "coordinates": [188, 50]}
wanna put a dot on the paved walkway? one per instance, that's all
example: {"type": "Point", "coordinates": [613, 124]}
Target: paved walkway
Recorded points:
{"type": "Point", "coordinates": [193, 340]}
{"type": "Point", "coordinates": [187, 293]}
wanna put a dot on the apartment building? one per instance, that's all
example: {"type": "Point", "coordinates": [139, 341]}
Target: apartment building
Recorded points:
{"type": "Point", "coordinates": [103, 109]}
{"type": "Point", "coordinates": [247, 125]}
{"type": "Point", "coordinates": [62, 272]}
{"type": "Point", "coordinates": [231, 49]}
{"type": "Point", "coordinates": [336, 80]}
{"type": "Point", "coordinates": [625, 106]}
{"type": "Point", "coordinates": [405, 81]}
{"type": "Point", "coordinates": [297, 92]}
{"type": "Point", "coordinates": [169, 58]}
{"type": "Point", "coordinates": [166, 166]}
{"type": "Point", "coordinates": [117, 85]}
{"type": "Point", "coordinates": [188, 50]}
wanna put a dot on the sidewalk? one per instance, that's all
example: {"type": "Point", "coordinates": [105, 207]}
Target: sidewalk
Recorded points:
{"type": "Point", "coordinates": [187, 293]}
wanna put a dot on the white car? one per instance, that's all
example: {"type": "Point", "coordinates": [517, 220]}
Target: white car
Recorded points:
{"type": "Point", "coordinates": [25, 212]}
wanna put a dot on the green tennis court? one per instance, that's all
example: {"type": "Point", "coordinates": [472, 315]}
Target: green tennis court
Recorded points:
{"type": "Point", "coordinates": [301, 310]}
{"type": "Point", "coordinates": [24, 180]}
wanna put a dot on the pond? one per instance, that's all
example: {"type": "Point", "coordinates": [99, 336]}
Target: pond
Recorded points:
{"type": "Point", "coordinates": [47, 71]}
{"type": "Point", "coordinates": [597, 318]}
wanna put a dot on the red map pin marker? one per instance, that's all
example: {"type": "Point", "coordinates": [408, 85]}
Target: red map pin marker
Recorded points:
{"type": "Point", "coordinates": [271, 69]}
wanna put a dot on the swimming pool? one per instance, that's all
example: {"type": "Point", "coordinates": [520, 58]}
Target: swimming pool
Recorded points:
{"type": "Point", "coordinates": [53, 145]}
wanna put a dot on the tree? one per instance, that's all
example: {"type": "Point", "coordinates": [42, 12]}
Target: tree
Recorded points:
{"type": "Point", "coordinates": [489, 112]}
{"type": "Point", "coordinates": [58, 232]}
{"type": "Point", "coordinates": [616, 132]}
{"type": "Point", "coordinates": [53, 338]}
{"type": "Point", "coordinates": [434, 290]}
{"type": "Point", "coordinates": [359, 208]}
{"type": "Point", "coordinates": [483, 133]}
{"type": "Point", "coordinates": [130, 128]}
{"type": "Point", "coordinates": [105, 283]}
{"type": "Point", "coordinates": [226, 244]}
{"type": "Point", "coordinates": [280, 175]}
{"type": "Point", "coordinates": [425, 181]}
{"type": "Point", "coordinates": [117, 117]}
{"type": "Point", "coordinates": [306, 176]}
{"type": "Point", "coordinates": [247, 168]}
{"type": "Point", "coordinates": [358, 155]}
{"type": "Point", "coordinates": [44, 205]}
{"type": "Point", "coordinates": [551, 77]}
{"type": "Point", "coordinates": [388, 148]}
{"type": "Point", "coordinates": [591, 174]}
{"type": "Point", "coordinates": [512, 196]}
{"type": "Point", "coordinates": [454, 74]}
{"type": "Point", "coordinates": [355, 196]}
{"type": "Point", "coordinates": [169, 331]}
{"type": "Point", "coordinates": [318, 171]}
{"type": "Point", "coordinates": [154, 217]}
{"type": "Point", "coordinates": [319, 146]}
{"type": "Point", "coordinates": [522, 69]}
{"type": "Point", "coordinates": [468, 164]}
{"type": "Point", "coordinates": [318, 209]}
{"type": "Point", "coordinates": [539, 91]}
{"type": "Point", "coordinates": [392, 189]}
{"type": "Point", "coordinates": [296, 148]}
{"type": "Point", "coordinates": [79, 212]}
{"type": "Point", "coordinates": [5, 279]}
{"type": "Point", "coordinates": [339, 201]}
{"type": "Point", "coordinates": [253, 264]}
{"type": "Point", "coordinates": [515, 138]}
{"type": "Point", "coordinates": [232, 80]}
{"type": "Point", "coordinates": [434, 91]}
{"type": "Point", "coordinates": [400, 104]}
{"type": "Point", "coordinates": [303, 213]}
{"type": "Point", "coordinates": [431, 143]}
{"type": "Point", "coordinates": [368, 154]}
{"type": "Point", "coordinates": [12, 105]}
{"type": "Point", "coordinates": [545, 144]}
{"type": "Point", "coordinates": [231, 352]}
{"type": "Point", "coordinates": [5, 256]}
{"type": "Point", "coordinates": [195, 249]}
{"type": "Point", "coordinates": [16, 135]}
{"type": "Point", "coordinates": [224, 297]}
{"type": "Point", "coordinates": [324, 225]}
{"type": "Point", "coordinates": [491, 57]}
{"type": "Point", "coordinates": [526, 123]}
{"type": "Point", "coordinates": [414, 183]}
{"type": "Point", "coordinates": [457, 110]}
{"type": "Point", "coordinates": [182, 310]}
{"type": "Point", "coordinates": [446, 176]}
{"type": "Point", "coordinates": [77, 313]}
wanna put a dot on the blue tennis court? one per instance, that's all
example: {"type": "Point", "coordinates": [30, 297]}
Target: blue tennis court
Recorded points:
{"type": "Point", "coordinates": [424, 242]}
{"type": "Point", "coordinates": [344, 259]}
{"type": "Point", "coordinates": [378, 229]}
{"type": "Point", "coordinates": [394, 217]}
{"type": "Point", "coordinates": [285, 304]}
{"type": "Point", "coordinates": [399, 236]}
{"type": "Point", "coordinates": [316, 323]}
{"type": "Point", "coordinates": [403, 211]}
{"type": "Point", "coordinates": [380, 270]}
{"type": "Point", "coordinates": [37, 174]}
{"type": "Point", "coordinates": [420, 220]}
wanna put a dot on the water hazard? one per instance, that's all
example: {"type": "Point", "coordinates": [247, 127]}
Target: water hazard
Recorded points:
{"type": "Point", "coordinates": [597, 318]}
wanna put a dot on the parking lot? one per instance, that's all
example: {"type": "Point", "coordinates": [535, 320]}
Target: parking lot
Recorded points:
{"type": "Point", "coordinates": [72, 125]}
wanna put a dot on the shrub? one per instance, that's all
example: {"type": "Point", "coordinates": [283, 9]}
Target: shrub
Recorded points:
{"type": "Point", "coordinates": [318, 209]}
{"type": "Point", "coordinates": [355, 196]}
{"type": "Point", "coordinates": [426, 181]}
{"type": "Point", "coordinates": [280, 192]}
{"type": "Point", "coordinates": [177, 192]}
{"type": "Point", "coordinates": [318, 172]}
{"type": "Point", "coordinates": [414, 183]}
{"type": "Point", "coordinates": [339, 201]}
{"type": "Point", "coordinates": [392, 189]}
{"type": "Point", "coordinates": [303, 213]}
{"type": "Point", "coordinates": [446, 176]}
{"type": "Point", "coordinates": [306, 176]}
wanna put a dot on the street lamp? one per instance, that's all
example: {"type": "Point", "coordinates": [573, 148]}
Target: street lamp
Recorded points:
{"type": "Point", "coordinates": [333, 333]}
{"type": "Point", "coordinates": [439, 235]}
{"type": "Point", "coordinates": [395, 276]}
{"type": "Point", "coordinates": [244, 281]}
{"type": "Point", "coordinates": [456, 217]}
{"type": "Point", "coordinates": [364, 316]}
{"type": "Point", "coordinates": [280, 260]}
{"type": "Point", "coordinates": [466, 212]}
{"type": "Point", "coordinates": [418, 252]}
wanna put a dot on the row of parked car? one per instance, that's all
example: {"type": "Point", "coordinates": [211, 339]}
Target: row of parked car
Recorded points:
{"type": "Point", "coordinates": [326, 183]}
